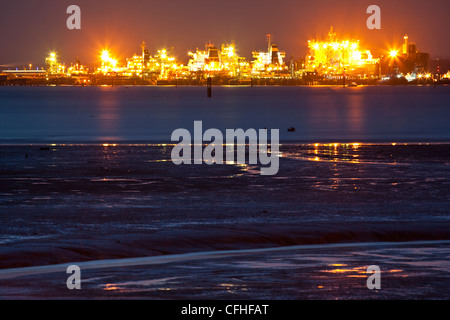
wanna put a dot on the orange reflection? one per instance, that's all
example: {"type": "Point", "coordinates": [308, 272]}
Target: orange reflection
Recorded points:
{"type": "Point", "coordinates": [347, 270]}
{"type": "Point", "coordinates": [356, 272]}
{"type": "Point", "coordinates": [334, 152]}
{"type": "Point", "coordinates": [108, 114]}
{"type": "Point", "coordinates": [395, 270]}
{"type": "Point", "coordinates": [111, 287]}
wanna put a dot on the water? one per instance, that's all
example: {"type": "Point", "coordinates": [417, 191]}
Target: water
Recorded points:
{"type": "Point", "coordinates": [364, 180]}
{"type": "Point", "coordinates": [124, 114]}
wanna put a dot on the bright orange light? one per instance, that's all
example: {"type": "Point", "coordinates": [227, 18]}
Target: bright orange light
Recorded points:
{"type": "Point", "coordinates": [105, 55]}
{"type": "Point", "coordinates": [331, 56]}
{"type": "Point", "coordinates": [393, 53]}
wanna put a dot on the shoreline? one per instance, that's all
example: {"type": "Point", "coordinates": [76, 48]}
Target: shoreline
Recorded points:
{"type": "Point", "coordinates": [168, 143]}
{"type": "Point", "coordinates": [265, 82]}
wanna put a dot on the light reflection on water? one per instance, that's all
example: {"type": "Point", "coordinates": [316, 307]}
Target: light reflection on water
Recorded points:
{"type": "Point", "coordinates": [339, 153]}
{"type": "Point", "coordinates": [142, 285]}
{"type": "Point", "coordinates": [357, 272]}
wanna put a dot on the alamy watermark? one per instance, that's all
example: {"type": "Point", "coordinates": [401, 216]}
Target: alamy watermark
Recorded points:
{"type": "Point", "coordinates": [373, 281]}
{"type": "Point", "coordinates": [258, 147]}
{"type": "Point", "coordinates": [74, 20]}
{"type": "Point", "coordinates": [74, 280]}
{"type": "Point", "coordinates": [374, 21]}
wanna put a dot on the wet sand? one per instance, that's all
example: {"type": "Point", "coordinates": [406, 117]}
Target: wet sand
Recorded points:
{"type": "Point", "coordinates": [409, 270]}
{"type": "Point", "coordinates": [81, 203]}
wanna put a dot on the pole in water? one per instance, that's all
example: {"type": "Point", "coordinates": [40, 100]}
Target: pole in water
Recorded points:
{"type": "Point", "coordinates": [209, 87]}
{"type": "Point", "coordinates": [343, 78]}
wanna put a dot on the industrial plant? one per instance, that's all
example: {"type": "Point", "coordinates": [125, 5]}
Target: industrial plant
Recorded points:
{"type": "Point", "coordinates": [330, 60]}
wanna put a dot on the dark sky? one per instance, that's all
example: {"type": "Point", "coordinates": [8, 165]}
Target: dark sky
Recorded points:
{"type": "Point", "coordinates": [29, 29]}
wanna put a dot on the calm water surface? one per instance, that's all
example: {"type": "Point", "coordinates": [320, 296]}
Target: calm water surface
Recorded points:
{"type": "Point", "coordinates": [107, 114]}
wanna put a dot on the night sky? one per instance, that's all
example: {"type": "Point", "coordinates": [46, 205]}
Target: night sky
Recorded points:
{"type": "Point", "coordinates": [30, 29]}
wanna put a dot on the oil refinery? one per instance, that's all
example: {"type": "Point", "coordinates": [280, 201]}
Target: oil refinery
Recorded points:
{"type": "Point", "coordinates": [334, 57]}
{"type": "Point", "coordinates": [329, 60]}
